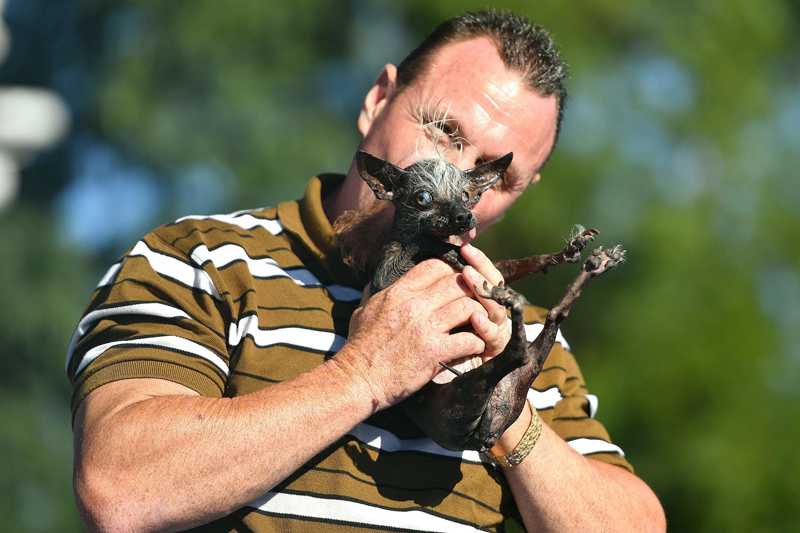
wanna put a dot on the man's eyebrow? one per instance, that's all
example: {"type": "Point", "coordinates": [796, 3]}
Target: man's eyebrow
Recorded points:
{"type": "Point", "coordinates": [432, 114]}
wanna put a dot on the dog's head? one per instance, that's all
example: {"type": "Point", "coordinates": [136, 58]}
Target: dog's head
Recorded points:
{"type": "Point", "coordinates": [432, 197]}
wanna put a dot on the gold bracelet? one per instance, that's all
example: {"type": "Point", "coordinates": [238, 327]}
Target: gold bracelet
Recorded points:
{"type": "Point", "coordinates": [521, 451]}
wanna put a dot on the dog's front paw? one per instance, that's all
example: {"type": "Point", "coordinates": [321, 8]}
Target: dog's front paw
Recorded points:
{"type": "Point", "coordinates": [503, 295]}
{"type": "Point", "coordinates": [572, 251]}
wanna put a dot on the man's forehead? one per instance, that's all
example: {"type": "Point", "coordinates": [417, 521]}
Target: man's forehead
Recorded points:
{"type": "Point", "coordinates": [449, 64]}
{"type": "Point", "coordinates": [474, 69]}
{"type": "Point", "coordinates": [467, 87]}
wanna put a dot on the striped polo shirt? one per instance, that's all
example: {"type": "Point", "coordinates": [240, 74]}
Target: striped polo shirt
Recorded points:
{"type": "Point", "coordinates": [229, 304]}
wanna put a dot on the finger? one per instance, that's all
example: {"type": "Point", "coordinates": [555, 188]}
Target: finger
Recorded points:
{"type": "Point", "coordinates": [485, 328]}
{"type": "Point", "coordinates": [425, 274]}
{"type": "Point", "coordinates": [456, 313]}
{"type": "Point", "coordinates": [461, 345]}
{"type": "Point", "coordinates": [496, 312]}
{"type": "Point", "coordinates": [446, 290]}
{"type": "Point", "coordinates": [494, 336]}
{"type": "Point", "coordinates": [365, 295]}
{"type": "Point", "coordinates": [482, 264]}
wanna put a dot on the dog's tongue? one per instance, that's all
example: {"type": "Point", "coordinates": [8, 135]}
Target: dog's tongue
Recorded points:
{"type": "Point", "coordinates": [472, 233]}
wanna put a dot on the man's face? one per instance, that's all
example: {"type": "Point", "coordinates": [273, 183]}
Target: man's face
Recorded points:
{"type": "Point", "coordinates": [487, 110]}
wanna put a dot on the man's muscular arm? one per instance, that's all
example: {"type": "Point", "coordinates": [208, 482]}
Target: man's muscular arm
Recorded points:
{"type": "Point", "coordinates": [152, 455]}
{"type": "Point", "coordinates": [558, 489]}
{"type": "Point", "coordinates": [555, 487]}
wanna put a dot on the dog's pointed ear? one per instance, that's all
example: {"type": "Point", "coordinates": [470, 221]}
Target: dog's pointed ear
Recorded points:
{"type": "Point", "coordinates": [485, 175]}
{"type": "Point", "coordinates": [380, 175]}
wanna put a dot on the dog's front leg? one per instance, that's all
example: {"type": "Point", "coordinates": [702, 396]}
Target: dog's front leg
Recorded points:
{"type": "Point", "coordinates": [475, 409]}
{"type": "Point", "coordinates": [516, 269]}
{"type": "Point", "coordinates": [509, 396]}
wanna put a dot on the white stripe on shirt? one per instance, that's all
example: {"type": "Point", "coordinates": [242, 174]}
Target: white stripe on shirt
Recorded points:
{"type": "Point", "coordinates": [172, 268]}
{"type": "Point", "coordinates": [303, 338]}
{"type": "Point", "coordinates": [165, 341]}
{"type": "Point", "coordinates": [381, 439]}
{"type": "Point", "coordinates": [150, 309]}
{"type": "Point", "coordinates": [588, 446]}
{"type": "Point", "coordinates": [532, 331]}
{"type": "Point", "coordinates": [266, 267]}
{"type": "Point", "coordinates": [363, 514]}
{"type": "Point", "coordinates": [244, 221]}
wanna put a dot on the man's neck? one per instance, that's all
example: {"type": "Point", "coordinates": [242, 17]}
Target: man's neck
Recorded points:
{"type": "Point", "coordinates": [353, 194]}
{"type": "Point", "coordinates": [329, 204]}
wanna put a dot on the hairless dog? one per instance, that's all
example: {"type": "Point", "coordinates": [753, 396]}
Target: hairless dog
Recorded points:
{"type": "Point", "coordinates": [433, 200]}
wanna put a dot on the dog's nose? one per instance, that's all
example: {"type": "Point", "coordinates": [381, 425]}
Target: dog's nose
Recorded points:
{"type": "Point", "coordinates": [463, 218]}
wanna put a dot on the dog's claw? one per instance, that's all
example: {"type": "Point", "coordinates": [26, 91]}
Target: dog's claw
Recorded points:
{"type": "Point", "coordinates": [451, 369]}
{"type": "Point", "coordinates": [576, 244]}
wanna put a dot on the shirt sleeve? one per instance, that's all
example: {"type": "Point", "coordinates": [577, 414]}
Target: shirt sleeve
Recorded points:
{"type": "Point", "coordinates": [155, 314]}
{"type": "Point", "coordinates": [563, 401]}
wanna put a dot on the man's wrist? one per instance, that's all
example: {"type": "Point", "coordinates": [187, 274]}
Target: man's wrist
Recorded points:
{"type": "Point", "coordinates": [512, 448]}
{"type": "Point", "coordinates": [509, 440]}
{"type": "Point", "coordinates": [351, 377]}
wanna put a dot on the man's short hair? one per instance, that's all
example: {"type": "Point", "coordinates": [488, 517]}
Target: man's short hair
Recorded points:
{"type": "Point", "coordinates": [525, 48]}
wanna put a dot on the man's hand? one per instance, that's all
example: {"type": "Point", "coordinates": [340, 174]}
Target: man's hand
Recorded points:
{"type": "Point", "coordinates": [399, 336]}
{"type": "Point", "coordinates": [491, 326]}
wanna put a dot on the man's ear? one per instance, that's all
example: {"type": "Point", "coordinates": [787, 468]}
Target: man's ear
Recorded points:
{"type": "Point", "coordinates": [380, 175]}
{"type": "Point", "coordinates": [484, 176]}
{"type": "Point", "coordinates": [377, 97]}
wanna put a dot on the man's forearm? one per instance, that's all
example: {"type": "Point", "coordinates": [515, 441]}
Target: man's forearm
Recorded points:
{"type": "Point", "coordinates": [168, 462]}
{"type": "Point", "coordinates": [152, 455]}
{"type": "Point", "coordinates": [557, 489]}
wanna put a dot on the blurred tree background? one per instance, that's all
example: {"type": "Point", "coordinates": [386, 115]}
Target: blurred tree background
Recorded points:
{"type": "Point", "coordinates": [682, 141]}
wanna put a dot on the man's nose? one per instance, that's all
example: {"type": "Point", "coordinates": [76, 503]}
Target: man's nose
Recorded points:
{"type": "Point", "coordinates": [464, 157]}
{"type": "Point", "coordinates": [460, 153]}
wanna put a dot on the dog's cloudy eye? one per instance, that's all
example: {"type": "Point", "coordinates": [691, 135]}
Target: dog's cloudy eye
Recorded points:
{"type": "Point", "coordinates": [465, 197]}
{"type": "Point", "coordinates": [424, 198]}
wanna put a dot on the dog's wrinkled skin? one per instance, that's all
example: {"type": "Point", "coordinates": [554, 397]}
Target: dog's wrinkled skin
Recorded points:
{"type": "Point", "coordinates": [433, 200]}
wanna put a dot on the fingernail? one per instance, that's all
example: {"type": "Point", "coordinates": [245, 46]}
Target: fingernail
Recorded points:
{"type": "Point", "coordinates": [467, 248]}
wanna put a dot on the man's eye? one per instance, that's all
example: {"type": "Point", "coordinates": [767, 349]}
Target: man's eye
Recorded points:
{"type": "Point", "coordinates": [424, 198]}
{"type": "Point", "coordinates": [442, 124]}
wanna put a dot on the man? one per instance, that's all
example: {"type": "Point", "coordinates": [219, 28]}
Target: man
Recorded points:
{"type": "Point", "coordinates": [205, 390]}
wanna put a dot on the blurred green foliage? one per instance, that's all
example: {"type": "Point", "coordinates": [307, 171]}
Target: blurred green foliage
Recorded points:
{"type": "Point", "coordinates": [682, 140]}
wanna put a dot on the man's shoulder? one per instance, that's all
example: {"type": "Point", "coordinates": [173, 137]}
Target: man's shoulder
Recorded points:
{"type": "Point", "coordinates": [249, 228]}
